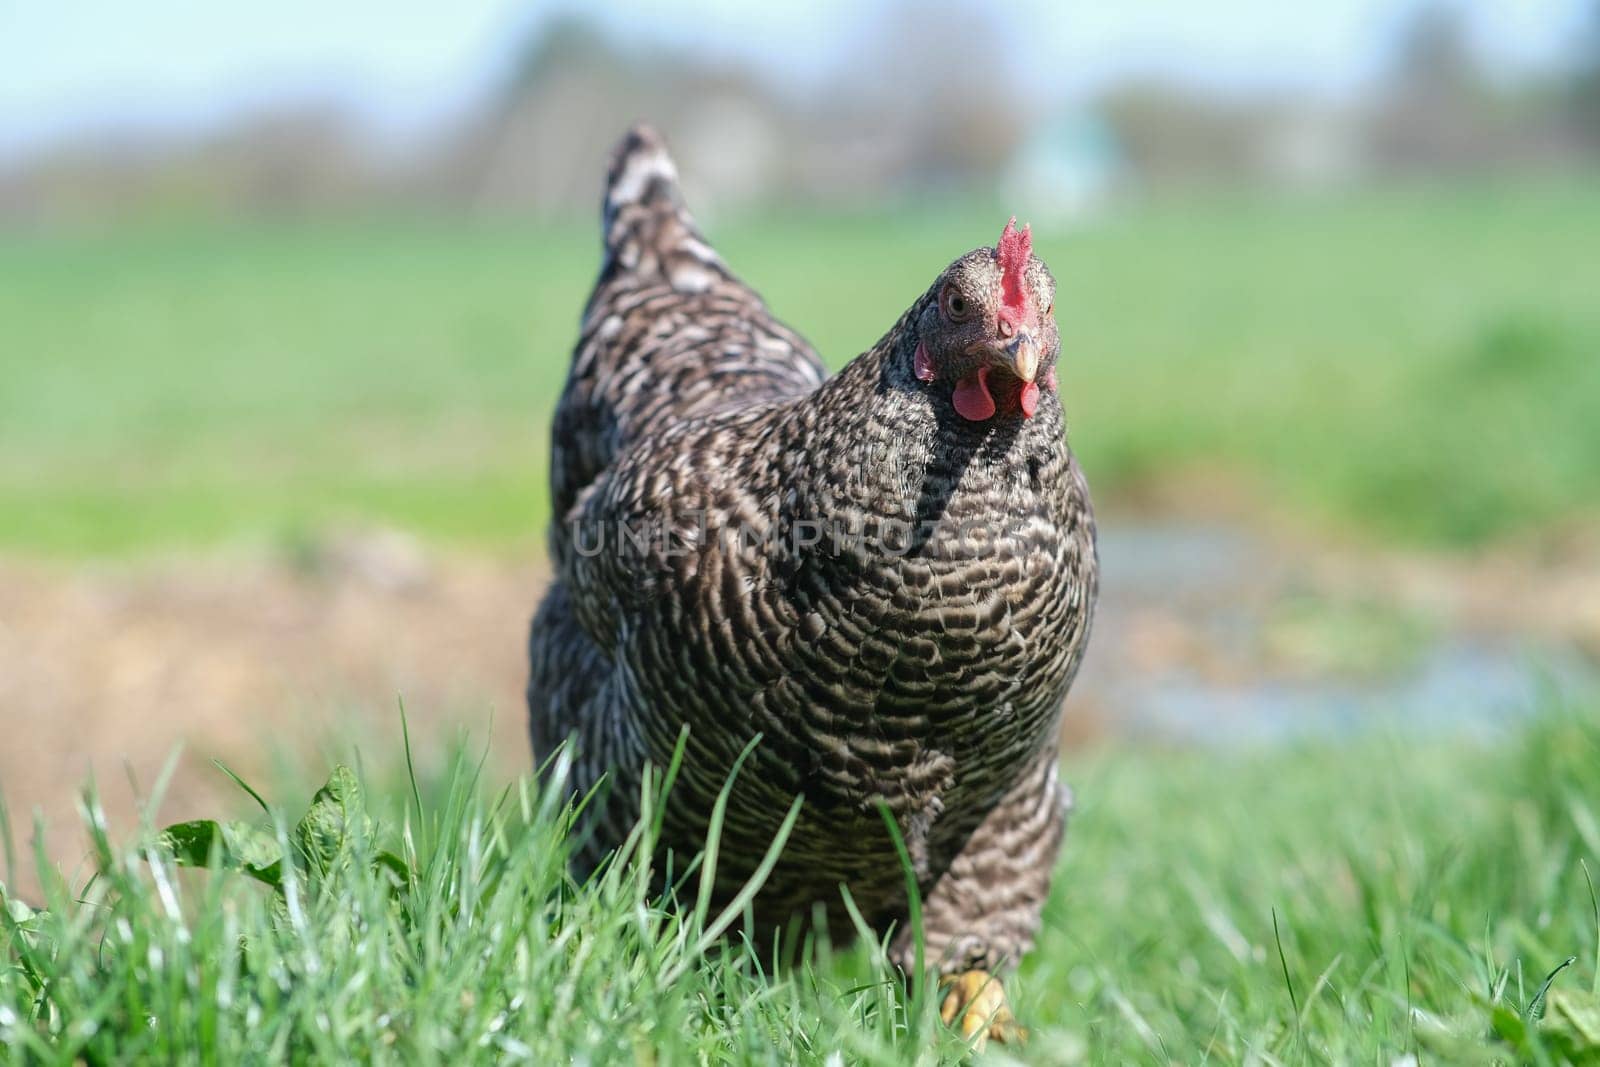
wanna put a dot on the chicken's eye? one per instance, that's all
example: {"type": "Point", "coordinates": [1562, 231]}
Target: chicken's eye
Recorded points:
{"type": "Point", "coordinates": [1050, 312]}
{"type": "Point", "coordinates": [956, 306]}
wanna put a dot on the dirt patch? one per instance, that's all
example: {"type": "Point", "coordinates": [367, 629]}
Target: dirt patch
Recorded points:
{"type": "Point", "coordinates": [107, 671]}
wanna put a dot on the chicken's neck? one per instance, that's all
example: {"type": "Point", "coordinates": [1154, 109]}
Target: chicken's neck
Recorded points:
{"type": "Point", "coordinates": [875, 441]}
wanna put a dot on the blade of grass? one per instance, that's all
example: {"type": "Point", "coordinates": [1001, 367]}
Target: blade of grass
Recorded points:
{"type": "Point", "coordinates": [719, 812]}
{"type": "Point", "coordinates": [745, 895]}
{"type": "Point", "coordinates": [7, 845]}
{"type": "Point", "coordinates": [411, 773]}
{"type": "Point", "coordinates": [919, 987]}
{"type": "Point", "coordinates": [1594, 908]}
{"type": "Point", "coordinates": [1294, 1001]}
{"type": "Point", "coordinates": [242, 784]}
{"type": "Point", "coordinates": [1536, 1005]}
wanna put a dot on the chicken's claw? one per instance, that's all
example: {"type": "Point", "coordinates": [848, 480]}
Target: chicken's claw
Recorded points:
{"type": "Point", "coordinates": [979, 1001]}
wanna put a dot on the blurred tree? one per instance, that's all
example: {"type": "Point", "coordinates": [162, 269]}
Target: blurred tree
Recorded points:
{"type": "Point", "coordinates": [1434, 114]}
{"type": "Point", "coordinates": [568, 86]}
{"type": "Point", "coordinates": [573, 89]}
{"type": "Point", "coordinates": [936, 85]}
{"type": "Point", "coordinates": [1435, 57]}
{"type": "Point", "coordinates": [1176, 136]}
{"type": "Point", "coordinates": [1586, 84]}
{"type": "Point", "coordinates": [567, 41]}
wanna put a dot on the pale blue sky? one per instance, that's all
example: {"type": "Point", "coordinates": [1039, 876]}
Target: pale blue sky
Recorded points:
{"type": "Point", "coordinates": [70, 68]}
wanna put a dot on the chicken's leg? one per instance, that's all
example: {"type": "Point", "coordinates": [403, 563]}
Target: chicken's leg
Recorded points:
{"type": "Point", "coordinates": [982, 913]}
{"type": "Point", "coordinates": [975, 1002]}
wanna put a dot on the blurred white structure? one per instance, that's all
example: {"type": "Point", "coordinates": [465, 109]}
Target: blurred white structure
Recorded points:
{"type": "Point", "coordinates": [1066, 169]}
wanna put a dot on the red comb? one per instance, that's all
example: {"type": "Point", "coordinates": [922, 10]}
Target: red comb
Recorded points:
{"type": "Point", "coordinates": [1013, 250]}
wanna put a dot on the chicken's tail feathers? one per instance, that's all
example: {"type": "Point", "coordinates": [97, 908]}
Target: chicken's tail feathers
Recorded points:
{"type": "Point", "coordinates": [648, 230]}
{"type": "Point", "coordinates": [642, 173]}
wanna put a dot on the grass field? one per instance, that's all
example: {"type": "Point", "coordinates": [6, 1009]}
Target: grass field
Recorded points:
{"type": "Point", "coordinates": [1413, 367]}
{"type": "Point", "coordinates": [1407, 364]}
{"type": "Point", "coordinates": [1341, 905]}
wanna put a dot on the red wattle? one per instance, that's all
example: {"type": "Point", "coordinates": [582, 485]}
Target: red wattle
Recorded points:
{"type": "Point", "coordinates": [972, 398]}
{"type": "Point", "coordinates": [922, 364]}
{"type": "Point", "coordinates": [1028, 399]}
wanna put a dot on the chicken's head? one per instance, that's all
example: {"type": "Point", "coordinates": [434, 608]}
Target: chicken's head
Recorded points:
{"type": "Point", "coordinates": [989, 332]}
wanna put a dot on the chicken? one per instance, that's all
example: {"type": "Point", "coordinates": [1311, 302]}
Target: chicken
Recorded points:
{"type": "Point", "coordinates": [887, 576]}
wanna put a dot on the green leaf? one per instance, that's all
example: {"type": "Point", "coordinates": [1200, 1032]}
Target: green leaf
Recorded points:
{"type": "Point", "coordinates": [14, 909]}
{"type": "Point", "coordinates": [20, 924]}
{"type": "Point", "coordinates": [336, 815]}
{"type": "Point", "coordinates": [238, 846]}
{"type": "Point", "coordinates": [1509, 1025]}
{"type": "Point", "coordinates": [1572, 1025]}
{"type": "Point", "coordinates": [399, 873]}
{"type": "Point", "coordinates": [320, 840]}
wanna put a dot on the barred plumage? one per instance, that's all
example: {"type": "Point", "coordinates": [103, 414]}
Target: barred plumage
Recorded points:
{"type": "Point", "coordinates": [892, 589]}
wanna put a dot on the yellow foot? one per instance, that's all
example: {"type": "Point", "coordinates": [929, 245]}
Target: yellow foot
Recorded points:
{"type": "Point", "coordinates": [979, 1001]}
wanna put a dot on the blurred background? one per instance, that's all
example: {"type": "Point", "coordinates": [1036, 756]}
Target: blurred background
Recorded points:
{"type": "Point", "coordinates": [287, 293]}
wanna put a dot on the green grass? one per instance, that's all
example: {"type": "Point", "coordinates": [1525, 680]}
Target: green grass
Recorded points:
{"type": "Point", "coordinates": [1336, 905]}
{"type": "Point", "coordinates": [1415, 364]}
